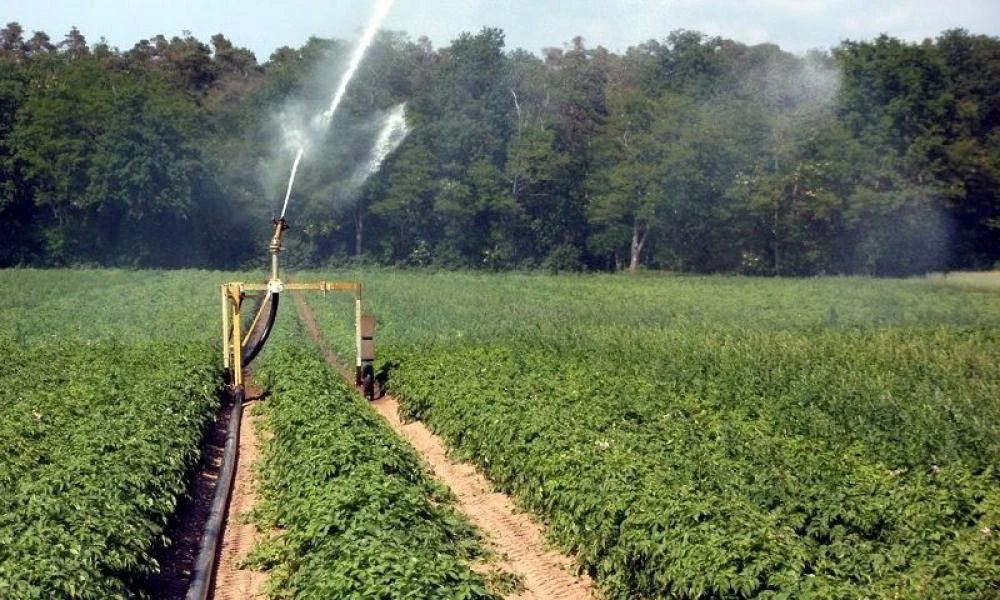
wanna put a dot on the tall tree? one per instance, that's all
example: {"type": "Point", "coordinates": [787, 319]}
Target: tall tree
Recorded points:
{"type": "Point", "coordinates": [627, 190]}
{"type": "Point", "coordinates": [894, 99]}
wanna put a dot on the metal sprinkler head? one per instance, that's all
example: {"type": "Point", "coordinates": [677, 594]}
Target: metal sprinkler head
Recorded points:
{"type": "Point", "coordinates": [280, 225]}
{"type": "Point", "coordinates": [274, 249]}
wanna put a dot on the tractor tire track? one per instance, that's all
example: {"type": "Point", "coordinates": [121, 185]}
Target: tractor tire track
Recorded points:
{"type": "Point", "coordinates": [517, 538]}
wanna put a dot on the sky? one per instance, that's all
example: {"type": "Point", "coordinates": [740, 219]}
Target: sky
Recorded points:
{"type": "Point", "coordinates": [264, 25]}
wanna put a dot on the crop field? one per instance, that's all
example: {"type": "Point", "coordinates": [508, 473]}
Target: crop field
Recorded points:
{"type": "Point", "coordinates": [358, 516]}
{"type": "Point", "coordinates": [687, 437]}
{"type": "Point", "coordinates": [108, 379]}
{"type": "Point", "coordinates": [710, 437]}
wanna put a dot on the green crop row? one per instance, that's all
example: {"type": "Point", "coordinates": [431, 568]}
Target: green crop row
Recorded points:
{"type": "Point", "coordinates": [719, 437]}
{"type": "Point", "coordinates": [357, 515]}
{"type": "Point", "coordinates": [95, 443]}
{"type": "Point", "coordinates": [110, 304]}
{"type": "Point", "coordinates": [108, 380]}
{"type": "Point", "coordinates": [676, 493]}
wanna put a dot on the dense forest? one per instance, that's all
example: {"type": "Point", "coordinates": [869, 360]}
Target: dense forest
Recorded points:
{"type": "Point", "coordinates": [692, 153]}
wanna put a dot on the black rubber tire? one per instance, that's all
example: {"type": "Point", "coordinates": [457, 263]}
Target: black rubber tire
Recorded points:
{"type": "Point", "coordinates": [368, 382]}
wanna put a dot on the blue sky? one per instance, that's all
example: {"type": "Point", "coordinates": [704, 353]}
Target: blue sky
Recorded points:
{"type": "Point", "coordinates": [263, 25]}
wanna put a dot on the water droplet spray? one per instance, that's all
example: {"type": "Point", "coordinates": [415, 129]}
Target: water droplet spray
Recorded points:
{"type": "Point", "coordinates": [321, 122]}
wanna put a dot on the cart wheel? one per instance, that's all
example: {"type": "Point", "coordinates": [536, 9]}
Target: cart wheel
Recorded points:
{"type": "Point", "coordinates": [368, 382]}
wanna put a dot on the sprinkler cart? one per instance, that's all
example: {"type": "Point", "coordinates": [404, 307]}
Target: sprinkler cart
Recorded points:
{"type": "Point", "coordinates": [239, 348]}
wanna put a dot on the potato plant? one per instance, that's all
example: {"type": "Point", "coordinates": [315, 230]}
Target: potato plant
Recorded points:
{"type": "Point", "coordinates": [358, 517]}
{"type": "Point", "coordinates": [692, 437]}
{"type": "Point", "coordinates": [107, 384]}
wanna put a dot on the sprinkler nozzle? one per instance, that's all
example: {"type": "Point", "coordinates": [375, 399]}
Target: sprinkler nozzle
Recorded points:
{"type": "Point", "coordinates": [279, 226]}
{"type": "Point", "coordinates": [274, 248]}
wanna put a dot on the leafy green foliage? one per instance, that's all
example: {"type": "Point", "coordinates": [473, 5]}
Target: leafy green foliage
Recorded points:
{"type": "Point", "coordinates": [108, 382]}
{"type": "Point", "coordinates": [358, 517]}
{"type": "Point", "coordinates": [690, 153]}
{"type": "Point", "coordinates": [718, 438]}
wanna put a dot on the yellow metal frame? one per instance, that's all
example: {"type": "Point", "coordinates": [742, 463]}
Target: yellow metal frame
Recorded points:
{"type": "Point", "coordinates": [234, 293]}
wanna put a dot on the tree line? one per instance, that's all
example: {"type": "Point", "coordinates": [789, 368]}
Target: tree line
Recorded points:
{"type": "Point", "coordinates": [691, 153]}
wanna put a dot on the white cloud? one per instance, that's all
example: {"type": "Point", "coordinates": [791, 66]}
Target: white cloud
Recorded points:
{"type": "Point", "coordinates": [889, 19]}
{"type": "Point", "coordinates": [796, 6]}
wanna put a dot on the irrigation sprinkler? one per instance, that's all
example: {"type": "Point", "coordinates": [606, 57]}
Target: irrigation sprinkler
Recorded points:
{"type": "Point", "coordinates": [239, 349]}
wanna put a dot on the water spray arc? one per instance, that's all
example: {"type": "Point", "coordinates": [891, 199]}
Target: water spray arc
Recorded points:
{"type": "Point", "coordinates": [291, 180]}
{"type": "Point", "coordinates": [238, 350]}
{"type": "Point", "coordinates": [390, 136]}
{"type": "Point", "coordinates": [321, 122]}
{"type": "Point", "coordinates": [367, 35]}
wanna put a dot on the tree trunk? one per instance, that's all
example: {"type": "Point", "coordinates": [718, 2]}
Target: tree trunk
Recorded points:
{"type": "Point", "coordinates": [775, 218]}
{"type": "Point", "coordinates": [359, 225]}
{"type": "Point", "coordinates": [517, 106]}
{"type": "Point", "coordinates": [636, 250]}
{"type": "Point", "coordinates": [775, 238]}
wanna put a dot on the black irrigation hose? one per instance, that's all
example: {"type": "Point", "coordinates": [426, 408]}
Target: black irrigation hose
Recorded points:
{"type": "Point", "coordinates": [204, 566]}
{"type": "Point", "coordinates": [201, 577]}
{"type": "Point", "coordinates": [253, 346]}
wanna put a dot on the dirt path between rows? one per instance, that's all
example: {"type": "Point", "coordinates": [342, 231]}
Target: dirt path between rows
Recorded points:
{"type": "Point", "coordinates": [239, 536]}
{"type": "Point", "coordinates": [515, 536]}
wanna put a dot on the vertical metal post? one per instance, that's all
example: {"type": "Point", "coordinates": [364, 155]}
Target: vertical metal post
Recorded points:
{"type": "Point", "coordinates": [225, 327]}
{"type": "Point", "coordinates": [237, 343]}
{"type": "Point", "coordinates": [357, 329]}
{"type": "Point", "coordinates": [274, 248]}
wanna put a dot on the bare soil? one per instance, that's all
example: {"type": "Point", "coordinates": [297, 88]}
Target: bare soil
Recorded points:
{"type": "Point", "coordinates": [516, 537]}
